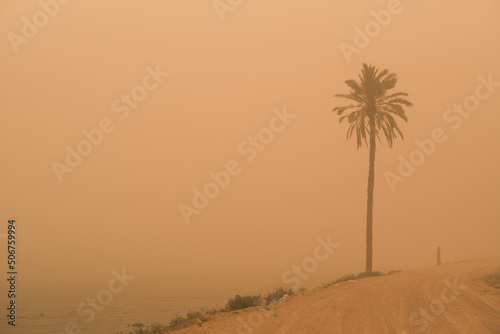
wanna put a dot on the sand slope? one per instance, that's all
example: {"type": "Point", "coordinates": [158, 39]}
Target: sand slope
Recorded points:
{"type": "Point", "coordinates": [452, 298]}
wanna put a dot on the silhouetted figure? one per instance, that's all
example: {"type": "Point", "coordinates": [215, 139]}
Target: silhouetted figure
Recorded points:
{"type": "Point", "coordinates": [439, 256]}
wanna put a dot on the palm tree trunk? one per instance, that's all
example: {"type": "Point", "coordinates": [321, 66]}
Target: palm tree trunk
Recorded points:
{"type": "Point", "coordinates": [369, 209]}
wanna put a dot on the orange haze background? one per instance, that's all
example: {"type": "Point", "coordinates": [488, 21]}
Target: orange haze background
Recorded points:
{"type": "Point", "coordinates": [119, 207]}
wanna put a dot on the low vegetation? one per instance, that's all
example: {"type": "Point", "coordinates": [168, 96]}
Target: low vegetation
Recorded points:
{"type": "Point", "coordinates": [238, 302]}
{"type": "Point", "coordinates": [137, 328]}
{"type": "Point", "coordinates": [277, 294]}
{"type": "Point", "coordinates": [393, 272]}
{"type": "Point", "coordinates": [352, 277]}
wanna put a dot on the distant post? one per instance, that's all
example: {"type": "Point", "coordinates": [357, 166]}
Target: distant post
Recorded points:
{"type": "Point", "coordinates": [439, 256]}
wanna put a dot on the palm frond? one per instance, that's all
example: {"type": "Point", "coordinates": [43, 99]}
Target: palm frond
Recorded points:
{"type": "Point", "coordinates": [374, 107]}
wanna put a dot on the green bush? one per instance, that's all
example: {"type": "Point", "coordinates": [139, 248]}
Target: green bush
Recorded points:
{"type": "Point", "coordinates": [193, 315]}
{"type": "Point", "coordinates": [155, 328]}
{"type": "Point", "coordinates": [277, 293]}
{"type": "Point", "coordinates": [214, 310]}
{"type": "Point", "coordinates": [240, 302]}
{"type": "Point", "coordinates": [177, 320]}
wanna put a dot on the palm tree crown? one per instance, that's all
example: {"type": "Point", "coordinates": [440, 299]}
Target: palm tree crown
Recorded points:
{"type": "Point", "coordinates": [371, 101]}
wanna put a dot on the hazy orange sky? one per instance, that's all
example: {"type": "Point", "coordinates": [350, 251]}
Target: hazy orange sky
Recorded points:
{"type": "Point", "coordinates": [119, 207]}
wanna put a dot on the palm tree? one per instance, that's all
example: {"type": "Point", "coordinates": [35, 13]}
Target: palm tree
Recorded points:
{"type": "Point", "coordinates": [372, 112]}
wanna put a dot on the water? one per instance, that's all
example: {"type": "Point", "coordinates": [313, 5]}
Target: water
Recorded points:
{"type": "Point", "coordinates": [125, 308]}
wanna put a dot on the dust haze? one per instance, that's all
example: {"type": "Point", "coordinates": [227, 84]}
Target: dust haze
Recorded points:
{"type": "Point", "coordinates": [209, 83]}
